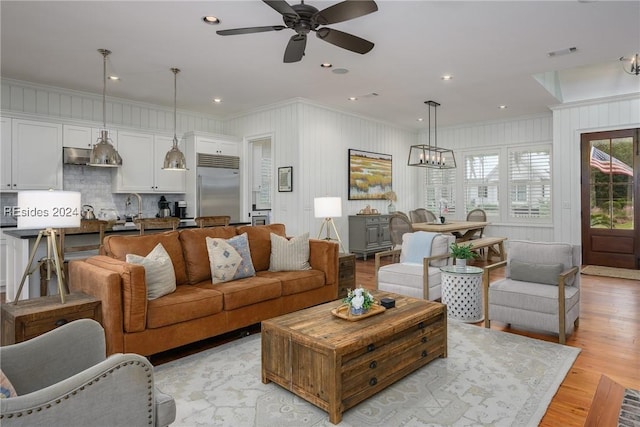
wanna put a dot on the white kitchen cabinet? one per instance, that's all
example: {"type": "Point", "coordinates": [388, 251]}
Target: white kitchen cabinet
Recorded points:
{"type": "Point", "coordinates": [5, 154]}
{"type": "Point", "coordinates": [220, 146]}
{"type": "Point", "coordinates": [35, 152]}
{"type": "Point", "coordinates": [141, 171]}
{"type": "Point", "coordinates": [84, 136]}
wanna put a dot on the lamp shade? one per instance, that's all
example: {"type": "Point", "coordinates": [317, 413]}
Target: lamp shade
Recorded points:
{"type": "Point", "coordinates": [48, 209]}
{"type": "Point", "coordinates": [327, 207]}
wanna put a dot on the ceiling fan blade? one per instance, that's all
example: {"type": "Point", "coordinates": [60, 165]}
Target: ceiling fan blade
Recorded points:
{"type": "Point", "coordinates": [250, 30]}
{"type": "Point", "coordinates": [344, 11]}
{"type": "Point", "coordinates": [282, 7]}
{"type": "Point", "coordinates": [345, 40]}
{"type": "Point", "coordinates": [295, 48]}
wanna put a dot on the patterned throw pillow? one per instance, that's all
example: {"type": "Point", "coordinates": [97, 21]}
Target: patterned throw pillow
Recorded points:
{"type": "Point", "coordinates": [159, 273]}
{"type": "Point", "coordinates": [289, 254]}
{"type": "Point", "coordinates": [6, 388]}
{"type": "Point", "coordinates": [229, 259]}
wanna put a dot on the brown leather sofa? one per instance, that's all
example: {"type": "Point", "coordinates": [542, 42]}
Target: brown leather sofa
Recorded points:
{"type": "Point", "coordinates": [197, 309]}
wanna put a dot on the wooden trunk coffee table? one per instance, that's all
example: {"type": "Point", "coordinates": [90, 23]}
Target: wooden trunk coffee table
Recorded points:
{"type": "Point", "coordinates": [336, 363]}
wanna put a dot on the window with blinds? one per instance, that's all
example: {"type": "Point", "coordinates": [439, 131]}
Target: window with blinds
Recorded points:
{"type": "Point", "coordinates": [440, 191]}
{"type": "Point", "coordinates": [530, 183]}
{"type": "Point", "coordinates": [481, 182]}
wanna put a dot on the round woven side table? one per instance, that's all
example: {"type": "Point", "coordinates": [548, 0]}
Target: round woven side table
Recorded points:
{"type": "Point", "coordinates": [462, 292]}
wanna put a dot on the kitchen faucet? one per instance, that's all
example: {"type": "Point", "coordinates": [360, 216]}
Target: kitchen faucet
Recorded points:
{"type": "Point", "coordinates": [139, 216]}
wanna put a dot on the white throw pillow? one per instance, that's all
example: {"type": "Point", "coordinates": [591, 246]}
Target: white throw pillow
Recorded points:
{"type": "Point", "coordinates": [159, 273]}
{"type": "Point", "coordinates": [289, 254]}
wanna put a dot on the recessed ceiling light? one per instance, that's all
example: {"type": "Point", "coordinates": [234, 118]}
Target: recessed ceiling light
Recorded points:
{"type": "Point", "coordinates": [447, 77]}
{"type": "Point", "coordinates": [502, 107]}
{"type": "Point", "coordinates": [217, 100]}
{"type": "Point", "coordinates": [211, 20]}
{"type": "Point", "coordinates": [326, 65]}
{"type": "Point", "coordinates": [114, 78]}
{"type": "Point", "coordinates": [420, 119]}
{"type": "Point", "coordinates": [353, 98]}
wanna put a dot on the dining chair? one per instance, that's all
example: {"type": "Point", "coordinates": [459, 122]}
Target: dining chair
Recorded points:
{"type": "Point", "coordinates": [422, 215]}
{"type": "Point", "coordinates": [212, 221]}
{"type": "Point", "coordinates": [398, 225]}
{"type": "Point", "coordinates": [157, 224]}
{"type": "Point", "coordinates": [403, 214]}
{"type": "Point", "coordinates": [477, 215]}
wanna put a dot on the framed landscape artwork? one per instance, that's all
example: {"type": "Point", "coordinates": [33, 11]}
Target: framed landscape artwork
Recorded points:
{"type": "Point", "coordinates": [369, 175]}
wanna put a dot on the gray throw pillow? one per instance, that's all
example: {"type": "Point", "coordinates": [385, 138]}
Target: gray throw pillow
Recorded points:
{"type": "Point", "coordinates": [536, 273]}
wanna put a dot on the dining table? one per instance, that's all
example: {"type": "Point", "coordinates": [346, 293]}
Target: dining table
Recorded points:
{"type": "Point", "coordinates": [463, 230]}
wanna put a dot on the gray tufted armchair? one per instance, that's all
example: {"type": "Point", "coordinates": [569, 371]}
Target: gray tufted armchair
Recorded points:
{"type": "Point", "coordinates": [62, 378]}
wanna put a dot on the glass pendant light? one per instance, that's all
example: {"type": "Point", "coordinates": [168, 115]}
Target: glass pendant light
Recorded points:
{"type": "Point", "coordinates": [103, 153]}
{"type": "Point", "coordinates": [174, 160]}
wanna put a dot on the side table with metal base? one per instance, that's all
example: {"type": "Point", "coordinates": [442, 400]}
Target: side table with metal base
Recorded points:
{"type": "Point", "coordinates": [462, 292]}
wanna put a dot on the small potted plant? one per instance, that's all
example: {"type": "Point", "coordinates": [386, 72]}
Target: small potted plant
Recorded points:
{"type": "Point", "coordinates": [462, 253]}
{"type": "Point", "coordinates": [359, 301]}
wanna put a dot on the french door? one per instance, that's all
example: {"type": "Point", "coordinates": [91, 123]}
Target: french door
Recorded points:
{"type": "Point", "coordinates": [610, 198]}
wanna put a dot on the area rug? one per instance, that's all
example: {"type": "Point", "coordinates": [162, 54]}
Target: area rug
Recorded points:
{"type": "Point", "coordinates": [621, 273]}
{"type": "Point", "coordinates": [490, 378]}
{"type": "Point", "coordinates": [630, 409]}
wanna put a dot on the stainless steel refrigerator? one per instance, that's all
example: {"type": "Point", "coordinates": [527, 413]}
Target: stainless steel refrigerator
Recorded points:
{"type": "Point", "coordinates": [218, 186]}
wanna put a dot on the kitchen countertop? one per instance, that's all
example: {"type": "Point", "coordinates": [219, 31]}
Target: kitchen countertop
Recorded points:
{"type": "Point", "coordinates": [117, 229]}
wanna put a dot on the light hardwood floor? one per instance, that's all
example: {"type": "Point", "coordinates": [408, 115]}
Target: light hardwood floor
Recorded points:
{"type": "Point", "coordinates": [609, 336]}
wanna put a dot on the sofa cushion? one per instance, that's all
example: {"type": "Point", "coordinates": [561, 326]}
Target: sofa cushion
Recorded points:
{"type": "Point", "coordinates": [243, 292]}
{"type": "Point", "coordinates": [260, 242]}
{"type": "Point", "coordinates": [295, 282]}
{"type": "Point", "coordinates": [289, 254]}
{"type": "Point", "coordinates": [229, 259]}
{"type": "Point", "coordinates": [529, 296]}
{"type": "Point", "coordinates": [188, 302]}
{"type": "Point", "coordinates": [397, 276]}
{"type": "Point", "coordinates": [118, 247]}
{"type": "Point", "coordinates": [159, 274]}
{"type": "Point", "coordinates": [6, 388]}
{"type": "Point", "coordinates": [194, 248]}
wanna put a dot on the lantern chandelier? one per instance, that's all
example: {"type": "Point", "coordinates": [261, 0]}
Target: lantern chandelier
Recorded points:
{"type": "Point", "coordinates": [631, 65]}
{"type": "Point", "coordinates": [430, 155]}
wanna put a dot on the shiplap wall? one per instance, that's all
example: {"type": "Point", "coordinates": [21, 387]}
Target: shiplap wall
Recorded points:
{"type": "Point", "coordinates": [569, 122]}
{"type": "Point", "coordinates": [315, 140]}
{"type": "Point", "coordinates": [74, 107]}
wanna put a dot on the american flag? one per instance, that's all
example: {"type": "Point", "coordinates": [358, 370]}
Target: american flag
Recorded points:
{"type": "Point", "coordinates": [607, 164]}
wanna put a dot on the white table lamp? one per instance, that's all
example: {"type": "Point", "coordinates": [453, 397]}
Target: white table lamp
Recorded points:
{"type": "Point", "coordinates": [47, 210]}
{"type": "Point", "coordinates": [328, 208]}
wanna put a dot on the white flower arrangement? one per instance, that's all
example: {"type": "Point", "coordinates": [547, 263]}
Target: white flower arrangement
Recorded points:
{"type": "Point", "coordinates": [359, 298]}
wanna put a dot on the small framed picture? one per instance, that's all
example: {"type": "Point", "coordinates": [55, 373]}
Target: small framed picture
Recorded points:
{"type": "Point", "coordinates": [285, 179]}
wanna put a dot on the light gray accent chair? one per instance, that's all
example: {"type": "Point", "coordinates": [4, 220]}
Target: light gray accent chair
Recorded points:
{"type": "Point", "coordinates": [62, 378]}
{"type": "Point", "coordinates": [540, 290]}
{"type": "Point", "coordinates": [414, 275]}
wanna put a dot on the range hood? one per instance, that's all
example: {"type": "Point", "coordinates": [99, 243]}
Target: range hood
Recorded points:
{"type": "Point", "coordinates": [76, 156]}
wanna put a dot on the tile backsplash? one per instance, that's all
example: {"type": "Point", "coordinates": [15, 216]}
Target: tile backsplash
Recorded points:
{"type": "Point", "coordinates": [95, 186]}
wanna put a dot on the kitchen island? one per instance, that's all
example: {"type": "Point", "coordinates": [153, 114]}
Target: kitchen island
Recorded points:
{"type": "Point", "coordinates": [20, 242]}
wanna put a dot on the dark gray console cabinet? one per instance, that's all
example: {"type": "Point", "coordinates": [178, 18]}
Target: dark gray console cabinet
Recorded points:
{"type": "Point", "coordinates": [368, 234]}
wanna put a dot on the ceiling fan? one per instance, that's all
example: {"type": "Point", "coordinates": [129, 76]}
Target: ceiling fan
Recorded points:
{"type": "Point", "coordinates": [303, 18]}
